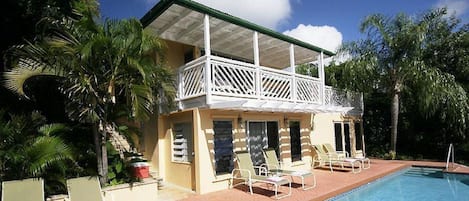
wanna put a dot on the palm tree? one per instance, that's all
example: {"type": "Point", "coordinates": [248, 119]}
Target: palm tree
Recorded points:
{"type": "Point", "coordinates": [102, 68]}
{"type": "Point", "coordinates": [30, 148]}
{"type": "Point", "coordinates": [391, 59]}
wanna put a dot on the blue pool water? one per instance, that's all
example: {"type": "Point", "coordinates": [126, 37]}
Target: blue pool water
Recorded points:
{"type": "Point", "coordinates": [422, 184]}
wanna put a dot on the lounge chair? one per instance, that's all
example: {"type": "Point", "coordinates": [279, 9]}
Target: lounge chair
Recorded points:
{"type": "Point", "coordinates": [84, 189]}
{"type": "Point", "coordinates": [274, 168]}
{"type": "Point", "coordinates": [331, 151]}
{"type": "Point", "coordinates": [246, 172]}
{"type": "Point", "coordinates": [365, 161]}
{"type": "Point", "coordinates": [24, 190]}
{"type": "Point", "coordinates": [323, 158]}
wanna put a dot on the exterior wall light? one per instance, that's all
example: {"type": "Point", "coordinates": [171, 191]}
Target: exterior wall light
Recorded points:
{"type": "Point", "coordinates": [240, 121]}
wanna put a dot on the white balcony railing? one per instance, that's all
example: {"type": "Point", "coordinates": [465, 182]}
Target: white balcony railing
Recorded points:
{"type": "Point", "coordinates": [230, 78]}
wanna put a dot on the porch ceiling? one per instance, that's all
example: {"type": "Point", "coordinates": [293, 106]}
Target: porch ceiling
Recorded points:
{"type": "Point", "coordinates": [185, 25]}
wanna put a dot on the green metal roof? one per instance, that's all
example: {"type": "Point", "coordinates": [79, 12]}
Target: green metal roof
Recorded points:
{"type": "Point", "coordinates": [160, 8]}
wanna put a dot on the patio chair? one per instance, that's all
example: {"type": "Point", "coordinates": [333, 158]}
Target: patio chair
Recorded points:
{"type": "Point", "coordinates": [361, 156]}
{"type": "Point", "coordinates": [324, 158]}
{"type": "Point", "coordinates": [274, 168]}
{"type": "Point", "coordinates": [246, 172]}
{"type": "Point", "coordinates": [84, 189]}
{"type": "Point", "coordinates": [24, 190]}
{"type": "Point", "coordinates": [331, 151]}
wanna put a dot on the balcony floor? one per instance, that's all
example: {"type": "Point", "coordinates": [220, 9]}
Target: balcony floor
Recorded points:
{"type": "Point", "coordinates": [245, 104]}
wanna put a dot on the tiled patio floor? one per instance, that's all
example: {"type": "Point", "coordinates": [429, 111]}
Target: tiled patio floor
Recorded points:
{"type": "Point", "coordinates": [329, 183]}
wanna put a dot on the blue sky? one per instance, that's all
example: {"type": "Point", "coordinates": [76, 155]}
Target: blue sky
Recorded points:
{"type": "Point", "coordinates": [323, 23]}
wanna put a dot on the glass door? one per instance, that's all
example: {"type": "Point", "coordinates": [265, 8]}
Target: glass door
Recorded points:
{"type": "Point", "coordinates": [261, 135]}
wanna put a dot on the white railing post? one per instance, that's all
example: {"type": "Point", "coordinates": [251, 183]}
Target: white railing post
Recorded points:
{"type": "Point", "coordinates": [208, 70]}
{"type": "Point", "coordinates": [255, 46]}
{"type": "Point", "coordinates": [293, 70]}
{"type": "Point", "coordinates": [180, 87]}
{"type": "Point", "coordinates": [322, 78]}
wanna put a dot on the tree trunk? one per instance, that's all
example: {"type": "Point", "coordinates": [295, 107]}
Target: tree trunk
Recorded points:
{"type": "Point", "coordinates": [99, 155]}
{"type": "Point", "coordinates": [394, 120]}
{"type": "Point", "coordinates": [104, 156]}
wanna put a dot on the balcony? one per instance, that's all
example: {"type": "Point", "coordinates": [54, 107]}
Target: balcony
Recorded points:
{"type": "Point", "coordinates": [235, 85]}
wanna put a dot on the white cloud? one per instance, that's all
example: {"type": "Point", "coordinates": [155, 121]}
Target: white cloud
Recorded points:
{"type": "Point", "coordinates": [268, 13]}
{"type": "Point", "coordinates": [326, 37]}
{"type": "Point", "coordinates": [456, 7]}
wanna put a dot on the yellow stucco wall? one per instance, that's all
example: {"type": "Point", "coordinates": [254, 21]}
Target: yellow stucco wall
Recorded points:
{"type": "Point", "coordinates": [323, 128]}
{"type": "Point", "coordinates": [200, 175]}
{"type": "Point", "coordinates": [205, 177]}
{"type": "Point", "coordinates": [175, 53]}
{"type": "Point", "coordinates": [179, 173]}
{"type": "Point", "coordinates": [174, 58]}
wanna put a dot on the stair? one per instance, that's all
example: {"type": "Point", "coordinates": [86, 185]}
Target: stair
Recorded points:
{"type": "Point", "coordinates": [118, 141]}
{"type": "Point", "coordinates": [427, 172]}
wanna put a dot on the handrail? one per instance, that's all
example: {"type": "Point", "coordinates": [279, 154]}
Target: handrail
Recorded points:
{"type": "Point", "coordinates": [450, 153]}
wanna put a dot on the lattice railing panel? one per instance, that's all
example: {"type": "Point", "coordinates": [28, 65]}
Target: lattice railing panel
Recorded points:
{"type": "Point", "coordinates": [193, 82]}
{"type": "Point", "coordinates": [308, 90]}
{"type": "Point", "coordinates": [240, 79]}
{"type": "Point", "coordinates": [327, 95]}
{"type": "Point", "coordinates": [276, 86]}
{"type": "Point", "coordinates": [232, 79]}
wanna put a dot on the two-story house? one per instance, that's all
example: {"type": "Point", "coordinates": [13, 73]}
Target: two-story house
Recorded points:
{"type": "Point", "coordinates": [233, 93]}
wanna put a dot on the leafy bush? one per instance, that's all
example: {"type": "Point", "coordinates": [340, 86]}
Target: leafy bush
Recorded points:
{"type": "Point", "coordinates": [119, 170]}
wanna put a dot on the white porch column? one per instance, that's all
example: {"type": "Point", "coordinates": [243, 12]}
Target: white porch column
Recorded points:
{"type": "Point", "coordinates": [208, 70]}
{"type": "Point", "coordinates": [322, 77]}
{"type": "Point", "coordinates": [293, 70]}
{"type": "Point", "coordinates": [255, 46]}
{"type": "Point", "coordinates": [292, 58]}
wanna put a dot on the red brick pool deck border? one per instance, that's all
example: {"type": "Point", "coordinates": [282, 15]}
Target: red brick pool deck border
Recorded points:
{"type": "Point", "coordinates": [329, 184]}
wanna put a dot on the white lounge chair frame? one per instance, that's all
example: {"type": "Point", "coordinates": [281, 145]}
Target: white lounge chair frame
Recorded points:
{"type": "Point", "coordinates": [274, 168]}
{"type": "Point", "coordinates": [247, 173]}
{"type": "Point", "coordinates": [329, 159]}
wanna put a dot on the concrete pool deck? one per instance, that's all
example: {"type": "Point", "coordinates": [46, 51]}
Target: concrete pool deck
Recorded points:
{"type": "Point", "coordinates": [329, 184]}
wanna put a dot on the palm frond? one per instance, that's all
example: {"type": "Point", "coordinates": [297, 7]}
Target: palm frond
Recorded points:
{"type": "Point", "coordinates": [46, 151]}
{"type": "Point", "coordinates": [26, 69]}
{"type": "Point", "coordinates": [142, 101]}
{"type": "Point", "coordinates": [52, 129]}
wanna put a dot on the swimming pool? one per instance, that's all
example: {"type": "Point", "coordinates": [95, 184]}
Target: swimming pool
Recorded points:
{"type": "Point", "coordinates": [411, 184]}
